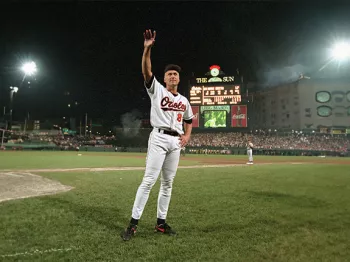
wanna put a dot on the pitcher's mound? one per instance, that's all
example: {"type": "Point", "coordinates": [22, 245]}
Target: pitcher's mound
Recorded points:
{"type": "Point", "coordinates": [15, 185]}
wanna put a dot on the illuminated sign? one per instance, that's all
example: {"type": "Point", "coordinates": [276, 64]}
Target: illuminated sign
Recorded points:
{"type": "Point", "coordinates": [239, 116]}
{"type": "Point", "coordinates": [220, 108]}
{"type": "Point", "coordinates": [203, 80]}
{"type": "Point", "coordinates": [215, 95]}
{"type": "Point", "coordinates": [216, 76]}
{"type": "Point", "coordinates": [338, 131]}
{"type": "Point", "coordinates": [195, 119]}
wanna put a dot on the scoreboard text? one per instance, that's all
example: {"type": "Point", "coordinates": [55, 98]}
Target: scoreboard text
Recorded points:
{"type": "Point", "coordinates": [215, 95]}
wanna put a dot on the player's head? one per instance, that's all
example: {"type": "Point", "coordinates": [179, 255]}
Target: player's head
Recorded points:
{"type": "Point", "coordinates": [172, 76]}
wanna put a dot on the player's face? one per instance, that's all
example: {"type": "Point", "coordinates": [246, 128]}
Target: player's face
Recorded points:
{"type": "Point", "coordinates": [171, 78]}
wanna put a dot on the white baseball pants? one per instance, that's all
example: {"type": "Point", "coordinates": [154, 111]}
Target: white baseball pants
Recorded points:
{"type": "Point", "coordinates": [163, 154]}
{"type": "Point", "coordinates": [250, 154]}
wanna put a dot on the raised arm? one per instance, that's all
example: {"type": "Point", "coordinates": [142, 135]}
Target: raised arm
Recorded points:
{"type": "Point", "coordinates": [146, 56]}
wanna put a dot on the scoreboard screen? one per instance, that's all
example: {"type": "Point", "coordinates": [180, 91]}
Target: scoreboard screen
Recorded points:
{"type": "Point", "coordinates": [215, 95]}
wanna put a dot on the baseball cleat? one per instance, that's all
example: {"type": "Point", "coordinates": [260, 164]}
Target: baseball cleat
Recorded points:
{"type": "Point", "coordinates": [165, 229]}
{"type": "Point", "coordinates": [128, 232]}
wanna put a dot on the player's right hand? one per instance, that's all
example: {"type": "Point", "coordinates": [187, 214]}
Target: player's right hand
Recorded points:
{"type": "Point", "coordinates": [150, 38]}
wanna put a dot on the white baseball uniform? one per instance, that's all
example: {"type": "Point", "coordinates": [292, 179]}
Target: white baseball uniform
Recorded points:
{"type": "Point", "coordinates": [167, 114]}
{"type": "Point", "coordinates": [250, 152]}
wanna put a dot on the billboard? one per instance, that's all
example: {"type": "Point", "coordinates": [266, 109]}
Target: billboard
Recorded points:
{"type": "Point", "coordinates": [195, 120]}
{"type": "Point", "coordinates": [239, 116]}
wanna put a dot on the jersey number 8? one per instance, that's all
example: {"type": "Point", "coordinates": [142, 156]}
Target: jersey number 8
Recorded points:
{"type": "Point", "coordinates": [179, 117]}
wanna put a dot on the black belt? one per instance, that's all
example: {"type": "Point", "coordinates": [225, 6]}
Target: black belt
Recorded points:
{"type": "Point", "coordinates": [170, 133]}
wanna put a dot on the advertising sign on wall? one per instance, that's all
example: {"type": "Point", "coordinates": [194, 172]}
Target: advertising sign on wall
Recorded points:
{"type": "Point", "coordinates": [239, 116]}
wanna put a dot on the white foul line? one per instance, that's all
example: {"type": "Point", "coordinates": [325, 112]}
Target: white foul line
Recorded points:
{"type": "Point", "coordinates": [11, 174]}
{"type": "Point", "coordinates": [36, 252]}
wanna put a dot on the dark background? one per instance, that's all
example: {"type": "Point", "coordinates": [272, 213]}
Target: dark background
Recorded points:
{"type": "Point", "coordinates": [89, 52]}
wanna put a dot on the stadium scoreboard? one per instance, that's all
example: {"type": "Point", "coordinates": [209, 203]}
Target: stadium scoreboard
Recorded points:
{"type": "Point", "coordinates": [215, 95]}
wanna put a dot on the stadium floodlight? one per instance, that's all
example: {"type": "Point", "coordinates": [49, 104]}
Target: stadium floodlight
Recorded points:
{"type": "Point", "coordinates": [14, 89]}
{"type": "Point", "coordinates": [341, 51]}
{"type": "Point", "coordinates": [29, 68]}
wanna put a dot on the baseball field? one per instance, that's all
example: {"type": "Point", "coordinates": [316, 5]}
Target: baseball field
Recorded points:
{"type": "Point", "coordinates": [72, 206]}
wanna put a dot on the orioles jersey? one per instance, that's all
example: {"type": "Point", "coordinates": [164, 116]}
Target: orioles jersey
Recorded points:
{"type": "Point", "coordinates": [250, 145]}
{"type": "Point", "coordinates": [167, 110]}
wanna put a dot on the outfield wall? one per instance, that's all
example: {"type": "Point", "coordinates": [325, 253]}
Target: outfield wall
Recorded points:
{"type": "Point", "coordinates": [270, 152]}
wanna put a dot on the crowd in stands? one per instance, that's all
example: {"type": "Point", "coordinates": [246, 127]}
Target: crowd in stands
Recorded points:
{"type": "Point", "coordinates": [59, 140]}
{"type": "Point", "coordinates": [263, 141]}
{"type": "Point", "coordinates": [267, 141]}
{"type": "Point", "coordinates": [76, 142]}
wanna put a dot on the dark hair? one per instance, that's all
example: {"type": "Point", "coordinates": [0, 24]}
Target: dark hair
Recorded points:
{"type": "Point", "coordinates": [172, 67]}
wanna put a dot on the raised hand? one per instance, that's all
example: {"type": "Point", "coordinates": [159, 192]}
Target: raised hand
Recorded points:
{"type": "Point", "coordinates": [149, 38]}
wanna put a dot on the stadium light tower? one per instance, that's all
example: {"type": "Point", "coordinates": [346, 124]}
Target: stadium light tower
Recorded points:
{"type": "Point", "coordinates": [14, 89]}
{"type": "Point", "coordinates": [341, 51]}
{"type": "Point", "coordinates": [29, 68]}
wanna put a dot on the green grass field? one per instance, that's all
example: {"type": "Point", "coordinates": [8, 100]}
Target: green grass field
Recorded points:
{"type": "Point", "coordinates": [266, 212]}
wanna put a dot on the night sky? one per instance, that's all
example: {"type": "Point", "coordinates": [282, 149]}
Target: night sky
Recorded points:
{"type": "Point", "coordinates": [93, 49]}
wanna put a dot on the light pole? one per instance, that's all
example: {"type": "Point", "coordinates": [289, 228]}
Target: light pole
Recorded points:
{"type": "Point", "coordinates": [14, 89]}
{"type": "Point", "coordinates": [29, 69]}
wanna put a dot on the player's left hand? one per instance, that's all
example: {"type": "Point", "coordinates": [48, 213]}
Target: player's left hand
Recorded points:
{"type": "Point", "coordinates": [184, 140]}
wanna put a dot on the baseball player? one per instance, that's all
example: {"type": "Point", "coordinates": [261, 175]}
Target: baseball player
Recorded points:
{"type": "Point", "coordinates": [250, 152]}
{"type": "Point", "coordinates": [169, 112]}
